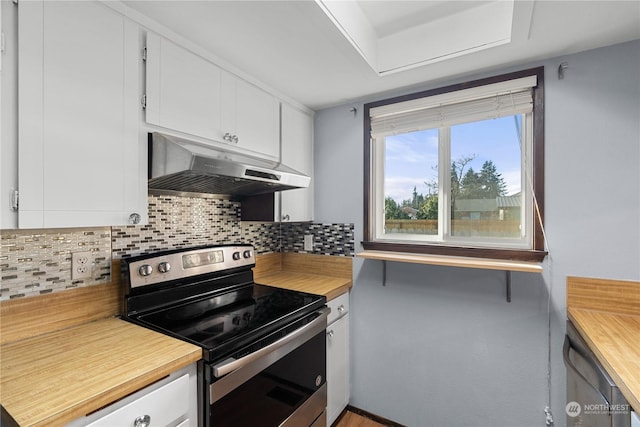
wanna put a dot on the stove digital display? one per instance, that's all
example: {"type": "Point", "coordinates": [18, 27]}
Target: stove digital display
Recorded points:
{"type": "Point", "coordinates": [202, 258]}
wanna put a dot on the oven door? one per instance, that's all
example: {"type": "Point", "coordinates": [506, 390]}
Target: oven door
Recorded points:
{"type": "Point", "coordinates": [281, 384]}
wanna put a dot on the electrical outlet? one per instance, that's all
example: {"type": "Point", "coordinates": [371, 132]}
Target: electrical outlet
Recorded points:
{"type": "Point", "coordinates": [81, 265]}
{"type": "Point", "coordinates": [308, 242]}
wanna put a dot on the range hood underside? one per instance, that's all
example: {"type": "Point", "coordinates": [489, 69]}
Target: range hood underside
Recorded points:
{"type": "Point", "coordinates": [195, 182]}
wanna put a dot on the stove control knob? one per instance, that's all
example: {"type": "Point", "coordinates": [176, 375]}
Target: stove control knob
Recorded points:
{"type": "Point", "coordinates": [246, 254]}
{"type": "Point", "coordinates": [236, 256]}
{"type": "Point", "coordinates": [145, 270]}
{"type": "Point", "coordinates": [164, 267]}
{"type": "Point", "coordinates": [236, 320]}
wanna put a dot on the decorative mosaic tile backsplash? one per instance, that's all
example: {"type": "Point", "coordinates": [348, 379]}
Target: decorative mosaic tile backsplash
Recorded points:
{"type": "Point", "coordinates": [33, 262]}
{"type": "Point", "coordinates": [328, 239]}
{"type": "Point", "coordinates": [176, 222]}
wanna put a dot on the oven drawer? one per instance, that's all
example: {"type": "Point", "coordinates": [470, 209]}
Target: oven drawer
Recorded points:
{"type": "Point", "coordinates": [285, 386]}
{"type": "Point", "coordinates": [291, 392]}
{"type": "Point", "coordinates": [339, 307]}
{"type": "Point", "coordinates": [164, 406]}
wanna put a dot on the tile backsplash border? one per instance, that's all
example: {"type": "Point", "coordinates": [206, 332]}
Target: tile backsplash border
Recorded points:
{"type": "Point", "coordinates": [36, 262]}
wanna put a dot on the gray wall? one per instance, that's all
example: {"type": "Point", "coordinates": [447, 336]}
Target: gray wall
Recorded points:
{"type": "Point", "coordinates": [439, 346]}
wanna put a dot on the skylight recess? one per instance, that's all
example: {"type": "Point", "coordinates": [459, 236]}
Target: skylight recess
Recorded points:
{"type": "Point", "coordinates": [428, 31]}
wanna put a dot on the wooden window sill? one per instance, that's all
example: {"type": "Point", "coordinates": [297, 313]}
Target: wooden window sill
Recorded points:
{"type": "Point", "coordinates": [453, 261]}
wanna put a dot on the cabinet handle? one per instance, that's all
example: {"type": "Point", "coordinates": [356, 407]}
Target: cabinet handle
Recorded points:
{"type": "Point", "coordinates": [230, 138]}
{"type": "Point", "coordinates": [134, 218]}
{"type": "Point", "coordinates": [142, 421]}
{"type": "Point", "coordinates": [331, 333]}
{"type": "Point", "coordinates": [341, 308]}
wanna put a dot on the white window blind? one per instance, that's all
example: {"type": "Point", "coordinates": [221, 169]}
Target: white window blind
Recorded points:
{"type": "Point", "coordinates": [467, 105]}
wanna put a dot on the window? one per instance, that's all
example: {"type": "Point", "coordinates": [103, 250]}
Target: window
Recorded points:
{"type": "Point", "coordinates": [458, 170]}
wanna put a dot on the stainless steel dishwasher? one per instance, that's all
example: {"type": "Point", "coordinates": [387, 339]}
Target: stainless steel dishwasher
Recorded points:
{"type": "Point", "coordinates": [593, 399]}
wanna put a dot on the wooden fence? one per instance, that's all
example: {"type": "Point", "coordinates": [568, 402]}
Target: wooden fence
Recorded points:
{"type": "Point", "coordinates": [460, 227]}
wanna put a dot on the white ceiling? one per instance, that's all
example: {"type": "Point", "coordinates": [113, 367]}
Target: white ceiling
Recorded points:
{"type": "Point", "coordinates": [296, 48]}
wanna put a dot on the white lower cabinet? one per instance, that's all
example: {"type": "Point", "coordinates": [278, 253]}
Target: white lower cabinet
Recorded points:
{"type": "Point", "coordinates": [338, 391]}
{"type": "Point", "coordinates": [171, 402]}
{"type": "Point", "coordinates": [635, 419]}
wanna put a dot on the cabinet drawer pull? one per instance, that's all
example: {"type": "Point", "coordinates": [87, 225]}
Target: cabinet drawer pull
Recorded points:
{"type": "Point", "coordinates": [341, 308]}
{"type": "Point", "coordinates": [142, 421]}
{"type": "Point", "coordinates": [331, 333]}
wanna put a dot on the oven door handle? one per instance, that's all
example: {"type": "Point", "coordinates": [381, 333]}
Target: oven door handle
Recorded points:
{"type": "Point", "coordinates": [231, 364]}
{"type": "Point", "coordinates": [566, 348]}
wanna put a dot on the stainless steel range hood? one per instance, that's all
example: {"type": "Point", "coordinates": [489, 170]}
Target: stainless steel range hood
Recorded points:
{"type": "Point", "coordinates": [180, 166]}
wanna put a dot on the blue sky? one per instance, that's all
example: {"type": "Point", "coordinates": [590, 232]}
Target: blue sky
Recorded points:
{"type": "Point", "coordinates": [412, 157]}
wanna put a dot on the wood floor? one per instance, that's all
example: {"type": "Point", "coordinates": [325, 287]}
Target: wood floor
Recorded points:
{"type": "Point", "coordinates": [349, 419]}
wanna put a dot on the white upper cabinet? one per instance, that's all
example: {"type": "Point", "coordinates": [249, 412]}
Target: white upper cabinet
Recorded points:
{"type": "Point", "coordinates": [81, 156]}
{"type": "Point", "coordinates": [9, 116]}
{"type": "Point", "coordinates": [297, 153]}
{"type": "Point", "coordinates": [251, 116]}
{"type": "Point", "coordinates": [187, 93]}
{"type": "Point", "coordinates": [183, 90]}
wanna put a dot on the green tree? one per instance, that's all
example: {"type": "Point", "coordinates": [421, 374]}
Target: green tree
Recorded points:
{"type": "Point", "coordinates": [470, 186]}
{"type": "Point", "coordinates": [465, 184]}
{"type": "Point", "coordinates": [486, 184]}
{"type": "Point", "coordinates": [492, 182]}
{"type": "Point", "coordinates": [392, 210]}
{"type": "Point", "coordinates": [457, 171]}
{"type": "Point", "coordinates": [416, 200]}
{"type": "Point", "coordinates": [429, 209]}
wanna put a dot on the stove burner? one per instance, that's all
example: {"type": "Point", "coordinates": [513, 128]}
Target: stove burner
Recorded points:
{"type": "Point", "coordinates": [186, 312]}
{"type": "Point", "coordinates": [216, 329]}
{"type": "Point", "coordinates": [219, 308]}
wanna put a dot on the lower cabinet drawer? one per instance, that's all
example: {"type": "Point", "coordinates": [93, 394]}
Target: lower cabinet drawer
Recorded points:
{"type": "Point", "coordinates": [161, 407]}
{"type": "Point", "coordinates": [339, 307]}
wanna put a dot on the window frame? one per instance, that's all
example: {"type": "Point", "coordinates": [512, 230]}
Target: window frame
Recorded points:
{"type": "Point", "coordinates": [535, 253]}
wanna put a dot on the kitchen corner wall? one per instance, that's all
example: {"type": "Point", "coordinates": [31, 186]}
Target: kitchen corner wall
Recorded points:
{"type": "Point", "coordinates": [35, 262]}
{"type": "Point", "coordinates": [440, 346]}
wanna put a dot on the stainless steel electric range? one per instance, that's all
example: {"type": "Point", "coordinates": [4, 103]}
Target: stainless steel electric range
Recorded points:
{"type": "Point", "coordinates": [263, 348]}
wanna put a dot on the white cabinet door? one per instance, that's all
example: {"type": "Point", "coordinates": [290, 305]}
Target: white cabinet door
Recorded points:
{"type": "Point", "coordinates": [160, 407]}
{"type": "Point", "coordinates": [189, 94]}
{"type": "Point", "coordinates": [79, 146]}
{"type": "Point", "coordinates": [251, 116]}
{"type": "Point", "coordinates": [8, 115]}
{"type": "Point", "coordinates": [171, 401]}
{"type": "Point", "coordinates": [297, 149]}
{"type": "Point", "coordinates": [337, 368]}
{"type": "Point", "coordinates": [338, 391]}
{"type": "Point", "coordinates": [183, 90]}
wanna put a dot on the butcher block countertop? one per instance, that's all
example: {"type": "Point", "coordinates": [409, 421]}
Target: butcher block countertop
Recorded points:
{"type": "Point", "coordinates": [330, 276]}
{"type": "Point", "coordinates": [54, 378]}
{"type": "Point", "coordinates": [66, 354]}
{"type": "Point", "coordinates": [607, 315]}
